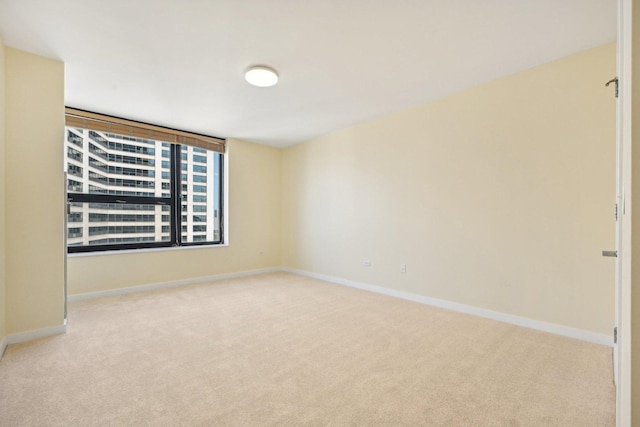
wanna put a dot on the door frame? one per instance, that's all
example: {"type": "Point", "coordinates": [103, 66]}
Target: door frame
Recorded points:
{"type": "Point", "coordinates": [622, 349]}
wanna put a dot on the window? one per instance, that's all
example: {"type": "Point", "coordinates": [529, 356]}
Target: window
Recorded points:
{"type": "Point", "coordinates": [124, 201]}
{"type": "Point", "coordinates": [122, 229]}
{"type": "Point", "coordinates": [74, 154]}
{"type": "Point", "coordinates": [103, 217]}
{"type": "Point", "coordinates": [74, 138]}
{"type": "Point", "coordinates": [74, 170]}
{"type": "Point", "coordinates": [74, 217]}
{"type": "Point", "coordinates": [132, 160]}
{"type": "Point", "coordinates": [95, 163]}
{"type": "Point", "coordinates": [74, 232]}
{"type": "Point", "coordinates": [73, 185]}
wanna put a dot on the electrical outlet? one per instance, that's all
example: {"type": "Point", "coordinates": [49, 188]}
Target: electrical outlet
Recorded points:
{"type": "Point", "coordinates": [403, 268]}
{"type": "Point", "coordinates": [366, 263]}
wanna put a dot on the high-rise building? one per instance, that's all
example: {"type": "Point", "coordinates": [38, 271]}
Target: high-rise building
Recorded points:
{"type": "Point", "coordinates": [118, 165]}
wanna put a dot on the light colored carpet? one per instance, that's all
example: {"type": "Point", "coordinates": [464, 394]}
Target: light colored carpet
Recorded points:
{"type": "Point", "coordinates": [283, 350]}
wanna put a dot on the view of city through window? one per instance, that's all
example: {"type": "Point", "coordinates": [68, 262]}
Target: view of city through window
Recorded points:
{"type": "Point", "coordinates": [101, 163]}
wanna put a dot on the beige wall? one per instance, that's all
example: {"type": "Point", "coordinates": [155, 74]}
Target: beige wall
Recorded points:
{"type": "Point", "coordinates": [255, 234]}
{"type": "Point", "coordinates": [3, 329]}
{"type": "Point", "coordinates": [498, 197]}
{"type": "Point", "coordinates": [34, 191]}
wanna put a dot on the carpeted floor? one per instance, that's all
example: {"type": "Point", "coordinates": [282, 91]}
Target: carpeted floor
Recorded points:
{"type": "Point", "coordinates": [283, 350]}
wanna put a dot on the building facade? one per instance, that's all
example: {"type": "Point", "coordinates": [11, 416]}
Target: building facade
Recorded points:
{"type": "Point", "coordinates": [106, 163]}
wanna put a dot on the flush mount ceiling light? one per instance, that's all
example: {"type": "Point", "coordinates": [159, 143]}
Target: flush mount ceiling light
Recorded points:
{"type": "Point", "coordinates": [261, 76]}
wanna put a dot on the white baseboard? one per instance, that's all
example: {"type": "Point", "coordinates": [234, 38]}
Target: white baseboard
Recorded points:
{"type": "Point", "coordinates": [171, 284]}
{"type": "Point", "coordinates": [566, 331]}
{"type": "Point", "coordinates": [35, 334]}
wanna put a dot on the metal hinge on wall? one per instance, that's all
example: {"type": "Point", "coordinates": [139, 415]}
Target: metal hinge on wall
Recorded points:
{"type": "Point", "coordinates": [615, 81]}
{"type": "Point", "coordinates": [615, 335]}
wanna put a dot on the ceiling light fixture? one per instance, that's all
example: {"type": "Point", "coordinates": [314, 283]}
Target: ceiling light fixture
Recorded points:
{"type": "Point", "coordinates": [261, 76]}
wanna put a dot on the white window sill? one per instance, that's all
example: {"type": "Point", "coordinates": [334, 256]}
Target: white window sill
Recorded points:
{"type": "Point", "coordinates": [144, 250]}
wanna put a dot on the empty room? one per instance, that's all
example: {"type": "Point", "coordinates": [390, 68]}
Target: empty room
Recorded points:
{"type": "Point", "coordinates": [271, 212]}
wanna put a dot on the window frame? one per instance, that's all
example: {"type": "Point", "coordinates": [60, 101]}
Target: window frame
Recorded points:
{"type": "Point", "coordinates": [174, 201]}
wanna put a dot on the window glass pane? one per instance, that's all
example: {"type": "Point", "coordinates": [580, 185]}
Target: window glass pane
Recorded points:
{"type": "Point", "coordinates": [200, 168]}
{"type": "Point", "coordinates": [116, 223]}
{"type": "Point", "coordinates": [74, 170]}
{"type": "Point", "coordinates": [73, 232]}
{"type": "Point", "coordinates": [73, 154]}
{"type": "Point", "coordinates": [106, 163]}
{"type": "Point", "coordinates": [74, 186]}
{"type": "Point", "coordinates": [203, 181]}
{"type": "Point", "coordinates": [73, 138]}
{"type": "Point", "coordinates": [101, 165]}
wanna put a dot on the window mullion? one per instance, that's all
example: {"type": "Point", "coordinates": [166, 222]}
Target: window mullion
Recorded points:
{"type": "Point", "coordinates": [176, 215]}
{"type": "Point", "coordinates": [221, 196]}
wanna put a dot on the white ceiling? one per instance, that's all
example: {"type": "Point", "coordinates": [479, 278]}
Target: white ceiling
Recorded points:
{"type": "Point", "coordinates": [180, 63]}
